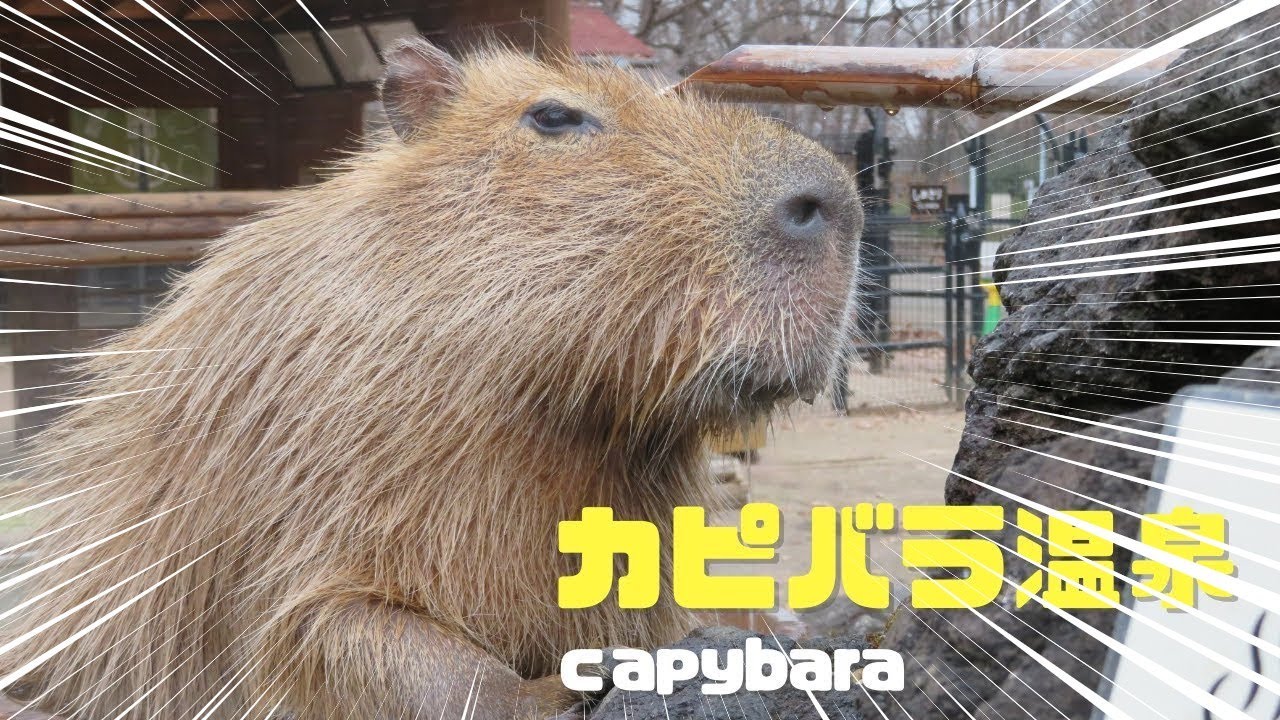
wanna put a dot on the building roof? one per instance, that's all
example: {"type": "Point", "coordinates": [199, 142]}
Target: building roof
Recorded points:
{"type": "Point", "coordinates": [593, 33]}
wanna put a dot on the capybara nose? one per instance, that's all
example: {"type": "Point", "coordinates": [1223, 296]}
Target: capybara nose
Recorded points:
{"type": "Point", "coordinates": [802, 218]}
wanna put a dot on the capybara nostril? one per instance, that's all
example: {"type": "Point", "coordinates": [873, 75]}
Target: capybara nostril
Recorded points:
{"type": "Point", "coordinates": [802, 218]}
{"type": "Point", "coordinates": [804, 210]}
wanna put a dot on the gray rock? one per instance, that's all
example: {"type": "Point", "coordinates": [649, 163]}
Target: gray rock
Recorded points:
{"type": "Point", "coordinates": [1073, 350]}
{"type": "Point", "coordinates": [973, 664]}
{"type": "Point", "coordinates": [1218, 111]}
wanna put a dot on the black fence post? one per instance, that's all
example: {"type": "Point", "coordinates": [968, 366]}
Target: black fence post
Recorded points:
{"type": "Point", "coordinates": [948, 293]}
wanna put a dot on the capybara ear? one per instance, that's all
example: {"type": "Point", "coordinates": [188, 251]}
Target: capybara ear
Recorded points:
{"type": "Point", "coordinates": [419, 77]}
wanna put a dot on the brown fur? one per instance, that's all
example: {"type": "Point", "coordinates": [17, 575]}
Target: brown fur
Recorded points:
{"type": "Point", "coordinates": [384, 394]}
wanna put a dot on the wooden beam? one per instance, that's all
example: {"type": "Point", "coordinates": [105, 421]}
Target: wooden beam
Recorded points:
{"type": "Point", "coordinates": [128, 229]}
{"type": "Point", "coordinates": [138, 205]}
{"type": "Point", "coordinates": [133, 253]}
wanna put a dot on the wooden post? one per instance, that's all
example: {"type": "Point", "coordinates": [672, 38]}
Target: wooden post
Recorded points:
{"type": "Point", "coordinates": [553, 34]}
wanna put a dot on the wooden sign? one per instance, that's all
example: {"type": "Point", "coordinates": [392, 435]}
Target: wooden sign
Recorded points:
{"type": "Point", "coordinates": [928, 199]}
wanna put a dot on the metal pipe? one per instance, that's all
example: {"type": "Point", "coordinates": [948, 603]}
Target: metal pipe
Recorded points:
{"type": "Point", "coordinates": [983, 79]}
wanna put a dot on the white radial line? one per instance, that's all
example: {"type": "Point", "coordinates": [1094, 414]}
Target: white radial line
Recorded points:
{"type": "Point", "coordinates": [16, 281]}
{"type": "Point", "coordinates": [1206, 617]}
{"type": "Point", "coordinates": [470, 693]}
{"type": "Point", "coordinates": [27, 575]}
{"type": "Point", "coordinates": [1266, 171]}
{"type": "Point", "coordinates": [18, 673]}
{"type": "Point", "coordinates": [1216, 199]}
{"type": "Point", "coordinates": [1163, 267]}
{"type": "Point", "coordinates": [71, 383]}
{"type": "Point", "coordinates": [836, 24]}
{"type": "Point", "coordinates": [99, 118]}
{"type": "Point", "coordinates": [1245, 103]}
{"type": "Point", "coordinates": [941, 18]}
{"type": "Point", "coordinates": [72, 242]}
{"type": "Point", "coordinates": [1259, 475]}
{"type": "Point", "coordinates": [1264, 515]}
{"type": "Point", "coordinates": [1042, 17]}
{"type": "Point", "coordinates": [1070, 196]}
{"type": "Point", "coordinates": [221, 696]}
{"type": "Point", "coordinates": [178, 29]}
{"type": "Point", "coordinates": [976, 644]}
{"type": "Point", "coordinates": [60, 101]}
{"type": "Point", "coordinates": [1242, 10]}
{"type": "Point", "coordinates": [1208, 247]}
{"type": "Point", "coordinates": [1007, 143]}
{"type": "Point", "coordinates": [139, 434]}
{"type": "Point", "coordinates": [1028, 147]}
{"type": "Point", "coordinates": [28, 139]}
{"type": "Point", "coordinates": [1226, 663]}
{"type": "Point", "coordinates": [1249, 343]}
{"type": "Point", "coordinates": [261, 696]}
{"type": "Point", "coordinates": [34, 599]}
{"type": "Point", "coordinates": [50, 31]}
{"type": "Point", "coordinates": [51, 457]}
{"type": "Point", "coordinates": [123, 36]}
{"type": "Point", "coordinates": [173, 52]}
{"type": "Point", "coordinates": [1245, 218]}
{"type": "Point", "coordinates": [941, 685]}
{"type": "Point", "coordinates": [1027, 77]}
{"type": "Point", "coordinates": [31, 68]}
{"type": "Point", "coordinates": [63, 356]}
{"type": "Point", "coordinates": [82, 401]}
{"type": "Point", "coordinates": [1268, 458]}
{"type": "Point", "coordinates": [37, 538]}
{"type": "Point", "coordinates": [1113, 713]}
{"type": "Point", "coordinates": [1142, 94]}
{"type": "Point", "coordinates": [188, 652]}
{"type": "Point", "coordinates": [1143, 360]}
{"type": "Point", "coordinates": [27, 203]}
{"type": "Point", "coordinates": [246, 43]}
{"type": "Point", "coordinates": [1259, 596]}
{"type": "Point", "coordinates": [146, 92]}
{"type": "Point", "coordinates": [1187, 690]}
{"type": "Point", "coordinates": [10, 168]}
{"type": "Point", "coordinates": [1014, 616]}
{"type": "Point", "coordinates": [816, 706]}
{"type": "Point", "coordinates": [60, 498]}
{"type": "Point", "coordinates": [320, 25]}
{"type": "Point", "coordinates": [44, 127]}
{"type": "Point", "coordinates": [1029, 138]}
{"type": "Point", "coordinates": [33, 540]}
{"type": "Point", "coordinates": [113, 312]}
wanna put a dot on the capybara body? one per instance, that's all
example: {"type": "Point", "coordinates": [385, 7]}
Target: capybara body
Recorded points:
{"type": "Point", "coordinates": [324, 478]}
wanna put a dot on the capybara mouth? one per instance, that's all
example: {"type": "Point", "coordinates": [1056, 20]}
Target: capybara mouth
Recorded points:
{"type": "Point", "coordinates": [747, 386]}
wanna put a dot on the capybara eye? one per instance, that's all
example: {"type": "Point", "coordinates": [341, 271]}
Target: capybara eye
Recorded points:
{"type": "Point", "coordinates": [554, 118]}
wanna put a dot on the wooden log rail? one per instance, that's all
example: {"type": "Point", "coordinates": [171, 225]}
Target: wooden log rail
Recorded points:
{"type": "Point", "coordinates": [84, 229]}
{"type": "Point", "coordinates": [981, 79]}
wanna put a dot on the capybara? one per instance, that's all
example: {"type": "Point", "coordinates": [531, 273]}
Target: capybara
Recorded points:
{"type": "Point", "coordinates": [323, 478]}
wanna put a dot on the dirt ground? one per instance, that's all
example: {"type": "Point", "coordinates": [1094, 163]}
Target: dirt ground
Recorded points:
{"type": "Point", "coordinates": [815, 458]}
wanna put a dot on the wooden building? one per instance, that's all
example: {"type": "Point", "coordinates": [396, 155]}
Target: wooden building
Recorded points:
{"type": "Point", "coordinates": [222, 103]}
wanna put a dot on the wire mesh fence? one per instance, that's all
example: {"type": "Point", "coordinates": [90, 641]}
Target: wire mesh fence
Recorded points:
{"type": "Point", "coordinates": [924, 299]}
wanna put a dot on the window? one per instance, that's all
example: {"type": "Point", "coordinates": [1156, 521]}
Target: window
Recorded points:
{"type": "Point", "coordinates": [182, 141]}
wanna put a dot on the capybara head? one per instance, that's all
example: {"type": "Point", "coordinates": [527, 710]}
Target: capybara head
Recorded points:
{"type": "Point", "coordinates": [382, 395]}
{"type": "Point", "coordinates": [674, 259]}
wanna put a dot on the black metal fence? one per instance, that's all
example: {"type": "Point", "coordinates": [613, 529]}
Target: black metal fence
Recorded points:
{"type": "Point", "coordinates": [921, 306]}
